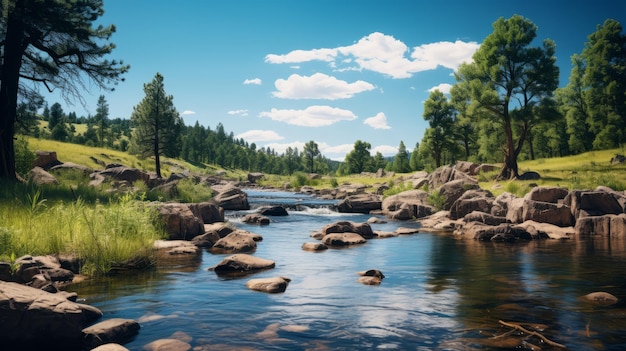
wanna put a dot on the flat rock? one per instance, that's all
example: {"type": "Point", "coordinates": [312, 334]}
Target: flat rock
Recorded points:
{"type": "Point", "coordinates": [110, 347]}
{"type": "Point", "coordinates": [269, 285]}
{"type": "Point", "coordinates": [343, 239]}
{"type": "Point", "coordinates": [237, 241]}
{"type": "Point", "coordinates": [314, 247]}
{"type": "Point", "coordinates": [167, 345]}
{"type": "Point", "coordinates": [176, 247]}
{"type": "Point", "coordinates": [242, 264]}
{"type": "Point", "coordinates": [115, 330]}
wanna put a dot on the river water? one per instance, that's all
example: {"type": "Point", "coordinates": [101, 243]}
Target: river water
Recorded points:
{"type": "Point", "coordinates": [439, 293]}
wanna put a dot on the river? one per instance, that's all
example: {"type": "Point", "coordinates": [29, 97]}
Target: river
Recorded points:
{"type": "Point", "coordinates": [439, 292]}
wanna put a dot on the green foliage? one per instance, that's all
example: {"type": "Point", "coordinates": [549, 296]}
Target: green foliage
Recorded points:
{"type": "Point", "coordinates": [397, 188]}
{"type": "Point", "coordinates": [24, 158]}
{"type": "Point", "coordinates": [436, 199]}
{"type": "Point", "coordinates": [359, 159]}
{"type": "Point", "coordinates": [334, 183]}
{"type": "Point", "coordinates": [191, 192]}
{"type": "Point", "coordinates": [158, 126]}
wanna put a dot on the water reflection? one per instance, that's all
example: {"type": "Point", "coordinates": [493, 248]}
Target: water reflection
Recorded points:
{"type": "Point", "coordinates": [439, 293]}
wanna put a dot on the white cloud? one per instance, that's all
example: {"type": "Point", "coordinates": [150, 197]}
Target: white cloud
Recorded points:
{"type": "Point", "coordinates": [443, 87]}
{"type": "Point", "coordinates": [188, 112]}
{"type": "Point", "coordinates": [445, 53]}
{"type": "Point", "coordinates": [318, 86]}
{"type": "Point", "coordinates": [378, 122]}
{"type": "Point", "coordinates": [385, 150]}
{"type": "Point", "coordinates": [384, 54]}
{"type": "Point", "coordinates": [254, 81]}
{"type": "Point", "coordinates": [242, 113]}
{"type": "Point", "coordinates": [259, 135]}
{"type": "Point", "coordinates": [336, 152]}
{"type": "Point", "coordinates": [312, 116]}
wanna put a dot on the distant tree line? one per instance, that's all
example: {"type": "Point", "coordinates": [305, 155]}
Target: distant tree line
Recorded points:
{"type": "Point", "coordinates": [504, 107]}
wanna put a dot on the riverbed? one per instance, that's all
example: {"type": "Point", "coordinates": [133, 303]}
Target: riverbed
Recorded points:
{"type": "Point", "coordinates": [439, 292]}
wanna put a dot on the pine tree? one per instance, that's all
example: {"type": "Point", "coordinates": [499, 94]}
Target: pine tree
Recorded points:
{"type": "Point", "coordinates": [158, 125]}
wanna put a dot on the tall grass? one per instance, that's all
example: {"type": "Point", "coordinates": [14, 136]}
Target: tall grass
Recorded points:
{"type": "Point", "coordinates": [101, 236]}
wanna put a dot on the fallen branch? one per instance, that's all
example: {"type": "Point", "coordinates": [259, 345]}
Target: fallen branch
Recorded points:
{"type": "Point", "coordinates": [520, 328]}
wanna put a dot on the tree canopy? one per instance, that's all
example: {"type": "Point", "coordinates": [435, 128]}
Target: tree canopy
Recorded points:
{"type": "Point", "coordinates": [510, 80]}
{"type": "Point", "coordinates": [53, 43]}
{"type": "Point", "coordinates": [158, 125]}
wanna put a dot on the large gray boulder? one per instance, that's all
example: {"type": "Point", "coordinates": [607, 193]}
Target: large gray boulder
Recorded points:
{"type": "Point", "coordinates": [407, 205]}
{"type": "Point", "coordinates": [208, 212]}
{"type": "Point", "coordinates": [360, 203]}
{"type": "Point", "coordinates": [126, 174]}
{"type": "Point", "coordinates": [472, 200]}
{"type": "Point", "coordinates": [546, 194]}
{"type": "Point", "coordinates": [609, 225]}
{"type": "Point", "coordinates": [547, 212]}
{"type": "Point", "coordinates": [46, 159]}
{"type": "Point", "coordinates": [585, 203]}
{"type": "Point", "coordinates": [237, 241]}
{"type": "Point", "coordinates": [453, 190]}
{"type": "Point", "coordinates": [39, 176]}
{"type": "Point", "coordinates": [179, 221]}
{"type": "Point", "coordinates": [31, 315]}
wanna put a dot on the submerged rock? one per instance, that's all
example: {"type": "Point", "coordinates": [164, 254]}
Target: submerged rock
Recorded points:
{"type": "Point", "coordinates": [242, 264]}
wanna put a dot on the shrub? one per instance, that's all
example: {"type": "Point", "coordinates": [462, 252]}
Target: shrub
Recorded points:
{"type": "Point", "coordinates": [24, 158]}
{"type": "Point", "coordinates": [437, 199]}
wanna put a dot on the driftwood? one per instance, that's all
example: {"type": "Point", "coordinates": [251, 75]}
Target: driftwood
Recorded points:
{"type": "Point", "coordinates": [518, 326]}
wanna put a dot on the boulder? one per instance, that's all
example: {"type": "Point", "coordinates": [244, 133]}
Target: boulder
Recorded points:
{"type": "Point", "coordinates": [167, 345]}
{"type": "Point", "coordinates": [609, 225]}
{"type": "Point", "coordinates": [242, 264]}
{"type": "Point", "coordinates": [176, 247]}
{"type": "Point", "coordinates": [500, 233]}
{"type": "Point", "coordinates": [208, 212]}
{"type": "Point", "coordinates": [255, 218]}
{"type": "Point", "coordinates": [179, 221]}
{"type": "Point", "coordinates": [46, 159]}
{"type": "Point", "coordinates": [363, 229]}
{"type": "Point", "coordinates": [472, 200]}
{"type": "Point", "coordinates": [35, 316]}
{"type": "Point", "coordinates": [39, 176]}
{"type": "Point", "coordinates": [254, 177]}
{"type": "Point", "coordinates": [360, 203]}
{"type": "Point", "coordinates": [515, 210]}
{"type": "Point", "coordinates": [439, 222]}
{"type": "Point", "coordinates": [485, 218]}
{"type": "Point", "coordinates": [546, 194]}
{"type": "Point", "coordinates": [601, 298]}
{"type": "Point", "coordinates": [269, 285]}
{"type": "Point", "coordinates": [529, 176]}
{"type": "Point", "coordinates": [594, 203]}
{"type": "Point", "coordinates": [126, 174]}
{"type": "Point", "coordinates": [115, 330]}
{"type": "Point", "coordinates": [371, 277]}
{"type": "Point", "coordinates": [547, 212]}
{"type": "Point", "coordinates": [316, 247]}
{"type": "Point", "coordinates": [547, 230]}
{"type": "Point", "coordinates": [273, 211]}
{"type": "Point", "coordinates": [501, 203]}
{"type": "Point", "coordinates": [206, 240]}
{"type": "Point", "coordinates": [220, 228]}
{"type": "Point", "coordinates": [407, 205]}
{"type": "Point", "coordinates": [230, 197]}
{"type": "Point", "coordinates": [237, 241]}
{"type": "Point", "coordinates": [618, 159]}
{"type": "Point", "coordinates": [466, 167]}
{"type": "Point", "coordinates": [453, 190]}
{"type": "Point", "coordinates": [446, 174]}
{"type": "Point", "coordinates": [343, 239]}
{"type": "Point", "coordinates": [406, 231]}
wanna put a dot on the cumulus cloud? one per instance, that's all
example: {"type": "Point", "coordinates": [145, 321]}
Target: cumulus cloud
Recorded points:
{"type": "Point", "coordinates": [318, 86]}
{"type": "Point", "coordinates": [312, 116]}
{"type": "Point", "coordinates": [254, 81]}
{"type": "Point", "coordinates": [188, 112]}
{"type": "Point", "coordinates": [385, 150]}
{"type": "Point", "coordinates": [443, 87]}
{"type": "Point", "coordinates": [378, 122]}
{"type": "Point", "coordinates": [259, 135]}
{"type": "Point", "coordinates": [385, 54]}
{"type": "Point", "coordinates": [242, 113]}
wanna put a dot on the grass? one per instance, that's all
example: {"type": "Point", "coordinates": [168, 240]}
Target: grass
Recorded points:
{"type": "Point", "coordinates": [102, 236]}
{"type": "Point", "coordinates": [584, 171]}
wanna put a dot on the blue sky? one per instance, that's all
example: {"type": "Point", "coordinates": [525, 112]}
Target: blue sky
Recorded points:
{"type": "Point", "coordinates": [281, 73]}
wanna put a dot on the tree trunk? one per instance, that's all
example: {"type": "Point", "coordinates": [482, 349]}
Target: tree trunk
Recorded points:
{"type": "Point", "coordinates": [509, 171]}
{"type": "Point", "coordinates": [11, 65]}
